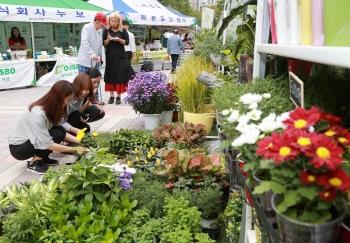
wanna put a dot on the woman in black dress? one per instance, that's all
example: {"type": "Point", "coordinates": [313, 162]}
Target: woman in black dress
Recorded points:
{"type": "Point", "coordinates": [118, 69]}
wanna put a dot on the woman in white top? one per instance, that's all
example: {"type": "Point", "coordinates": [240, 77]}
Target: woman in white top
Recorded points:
{"type": "Point", "coordinates": [36, 132]}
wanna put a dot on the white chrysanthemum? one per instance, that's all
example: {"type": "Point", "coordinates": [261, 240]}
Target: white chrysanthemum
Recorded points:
{"type": "Point", "coordinates": [253, 106]}
{"type": "Point", "coordinates": [255, 115]}
{"type": "Point", "coordinates": [268, 126]}
{"type": "Point", "coordinates": [270, 118]}
{"type": "Point", "coordinates": [279, 120]}
{"type": "Point", "coordinates": [244, 119]}
{"type": "Point", "coordinates": [61, 178]}
{"type": "Point", "coordinates": [312, 129]}
{"type": "Point", "coordinates": [246, 138]}
{"type": "Point", "coordinates": [250, 98]}
{"type": "Point", "coordinates": [245, 128]}
{"type": "Point", "coordinates": [267, 95]}
{"type": "Point", "coordinates": [131, 170]}
{"type": "Point", "coordinates": [234, 116]}
{"type": "Point", "coordinates": [225, 112]}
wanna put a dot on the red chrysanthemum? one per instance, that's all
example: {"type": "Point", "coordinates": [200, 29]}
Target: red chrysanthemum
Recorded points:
{"type": "Point", "coordinates": [328, 196]}
{"type": "Point", "coordinates": [265, 145]}
{"type": "Point", "coordinates": [329, 118]}
{"type": "Point", "coordinates": [307, 178]}
{"type": "Point", "coordinates": [282, 148]}
{"type": "Point", "coordinates": [325, 152]}
{"type": "Point", "coordinates": [336, 179]}
{"type": "Point", "coordinates": [303, 140]}
{"type": "Point", "coordinates": [302, 119]}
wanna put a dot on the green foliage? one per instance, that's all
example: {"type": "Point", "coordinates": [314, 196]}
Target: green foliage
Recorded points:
{"type": "Point", "coordinates": [234, 13]}
{"type": "Point", "coordinates": [192, 99]}
{"type": "Point", "coordinates": [103, 139]}
{"type": "Point", "coordinates": [50, 175]}
{"type": "Point", "coordinates": [90, 181]}
{"type": "Point", "coordinates": [145, 159]}
{"type": "Point", "coordinates": [125, 139]}
{"type": "Point", "coordinates": [89, 140]}
{"type": "Point", "coordinates": [32, 205]}
{"type": "Point", "coordinates": [150, 192]}
{"type": "Point", "coordinates": [233, 214]}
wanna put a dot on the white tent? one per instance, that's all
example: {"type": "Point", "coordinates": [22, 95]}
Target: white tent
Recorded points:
{"type": "Point", "coordinates": [146, 12]}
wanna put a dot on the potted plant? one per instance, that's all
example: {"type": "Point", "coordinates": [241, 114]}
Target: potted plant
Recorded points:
{"type": "Point", "coordinates": [29, 54]}
{"type": "Point", "coordinates": [136, 66]}
{"type": "Point", "coordinates": [168, 105]}
{"type": "Point", "coordinates": [307, 175]}
{"type": "Point", "coordinates": [146, 93]}
{"type": "Point", "coordinates": [193, 101]}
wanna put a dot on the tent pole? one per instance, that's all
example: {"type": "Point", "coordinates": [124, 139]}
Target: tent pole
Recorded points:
{"type": "Point", "coordinates": [33, 51]}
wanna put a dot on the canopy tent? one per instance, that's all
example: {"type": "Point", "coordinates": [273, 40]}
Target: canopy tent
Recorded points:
{"type": "Point", "coordinates": [55, 11]}
{"type": "Point", "coordinates": [147, 12]}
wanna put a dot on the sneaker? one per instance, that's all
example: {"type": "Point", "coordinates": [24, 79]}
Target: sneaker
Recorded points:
{"type": "Point", "coordinates": [117, 101]}
{"type": "Point", "coordinates": [49, 162]}
{"type": "Point", "coordinates": [37, 167]}
{"type": "Point", "coordinates": [111, 100]}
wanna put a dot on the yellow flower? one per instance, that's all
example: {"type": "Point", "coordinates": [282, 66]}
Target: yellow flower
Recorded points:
{"type": "Point", "coordinates": [82, 130]}
{"type": "Point", "coordinates": [145, 161]}
{"type": "Point", "coordinates": [153, 153]}
{"type": "Point", "coordinates": [137, 159]}
{"type": "Point", "coordinates": [149, 155]}
{"type": "Point", "coordinates": [152, 149]}
{"type": "Point", "coordinates": [158, 162]}
{"type": "Point", "coordinates": [94, 134]}
{"type": "Point", "coordinates": [136, 151]}
{"type": "Point", "coordinates": [226, 52]}
{"type": "Point", "coordinates": [280, 107]}
{"type": "Point", "coordinates": [129, 163]}
{"type": "Point", "coordinates": [80, 136]}
{"type": "Point", "coordinates": [141, 152]}
{"type": "Point", "coordinates": [156, 149]}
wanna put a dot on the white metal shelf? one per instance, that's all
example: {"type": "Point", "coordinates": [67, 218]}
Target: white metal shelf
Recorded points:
{"type": "Point", "coordinates": [335, 56]}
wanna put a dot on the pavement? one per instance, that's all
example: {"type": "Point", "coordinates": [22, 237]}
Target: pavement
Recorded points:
{"type": "Point", "coordinates": [12, 104]}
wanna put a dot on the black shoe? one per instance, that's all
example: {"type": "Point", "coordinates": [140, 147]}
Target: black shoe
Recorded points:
{"type": "Point", "coordinates": [117, 101]}
{"type": "Point", "coordinates": [111, 100]}
{"type": "Point", "coordinates": [37, 167]}
{"type": "Point", "coordinates": [49, 162]}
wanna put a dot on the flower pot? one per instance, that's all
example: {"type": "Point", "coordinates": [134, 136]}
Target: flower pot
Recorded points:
{"type": "Point", "coordinates": [292, 231]}
{"type": "Point", "coordinates": [151, 121]}
{"type": "Point", "coordinates": [207, 222]}
{"type": "Point", "coordinates": [206, 119]}
{"type": "Point", "coordinates": [166, 117]}
{"type": "Point", "coordinates": [217, 60]}
{"type": "Point", "coordinates": [175, 116]}
{"type": "Point", "coordinates": [345, 232]}
{"type": "Point", "coordinates": [265, 199]}
{"type": "Point", "coordinates": [137, 68]}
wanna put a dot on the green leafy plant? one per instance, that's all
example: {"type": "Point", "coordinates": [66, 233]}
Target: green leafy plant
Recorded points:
{"type": "Point", "coordinates": [192, 99]}
{"type": "Point", "coordinates": [145, 159]}
{"type": "Point", "coordinates": [150, 192]}
{"type": "Point", "coordinates": [89, 140]}
{"type": "Point", "coordinates": [233, 215]}
{"type": "Point", "coordinates": [125, 139]}
{"type": "Point", "coordinates": [181, 163]}
{"type": "Point", "coordinates": [50, 175]}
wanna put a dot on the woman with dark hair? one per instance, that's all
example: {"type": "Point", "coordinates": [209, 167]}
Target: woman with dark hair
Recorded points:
{"type": "Point", "coordinates": [186, 37]}
{"type": "Point", "coordinates": [16, 41]}
{"type": "Point", "coordinates": [36, 132]}
{"type": "Point", "coordinates": [95, 76]}
{"type": "Point", "coordinates": [77, 109]}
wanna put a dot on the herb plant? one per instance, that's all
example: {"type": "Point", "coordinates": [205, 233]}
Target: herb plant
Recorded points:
{"type": "Point", "coordinates": [233, 214]}
{"type": "Point", "coordinates": [125, 139]}
{"type": "Point", "coordinates": [145, 159]}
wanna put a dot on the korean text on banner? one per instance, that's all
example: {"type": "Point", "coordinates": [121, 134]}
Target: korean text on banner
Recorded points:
{"type": "Point", "coordinates": [16, 74]}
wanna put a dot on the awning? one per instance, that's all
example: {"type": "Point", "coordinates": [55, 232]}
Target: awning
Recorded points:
{"type": "Point", "coordinates": [56, 11]}
{"type": "Point", "coordinates": [148, 12]}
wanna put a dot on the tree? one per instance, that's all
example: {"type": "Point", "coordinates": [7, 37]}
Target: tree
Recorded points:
{"type": "Point", "coordinates": [182, 7]}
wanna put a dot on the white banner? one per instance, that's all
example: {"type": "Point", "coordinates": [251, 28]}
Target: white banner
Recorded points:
{"type": "Point", "coordinates": [65, 69]}
{"type": "Point", "coordinates": [24, 13]}
{"type": "Point", "coordinates": [207, 17]}
{"type": "Point", "coordinates": [149, 12]}
{"type": "Point", "coordinates": [14, 74]}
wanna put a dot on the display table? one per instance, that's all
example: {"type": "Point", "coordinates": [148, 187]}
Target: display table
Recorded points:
{"type": "Point", "coordinates": [66, 68]}
{"type": "Point", "coordinates": [14, 74]}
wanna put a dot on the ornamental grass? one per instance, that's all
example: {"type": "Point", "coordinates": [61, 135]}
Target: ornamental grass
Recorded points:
{"type": "Point", "coordinates": [192, 94]}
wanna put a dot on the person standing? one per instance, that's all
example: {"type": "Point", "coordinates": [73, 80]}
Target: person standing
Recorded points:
{"type": "Point", "coordinates": [130, 49]}
{"type": "Point", "coordinates": [174, 48]}
{"type": "Point", "coordinates": [90, 51]}
{"type": "Point", "coordinates": [118, 69]}
{"type": "Point", "coordinates": [16, 41]}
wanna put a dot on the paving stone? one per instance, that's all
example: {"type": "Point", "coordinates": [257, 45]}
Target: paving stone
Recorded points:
{"type": "Point", "coordinates": [14, 171]}
{"type": "Point", "coordinates": [6, 165]}
{"type": "Point", "coordinates": [27, 176]}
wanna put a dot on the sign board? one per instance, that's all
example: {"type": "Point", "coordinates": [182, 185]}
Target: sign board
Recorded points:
{"type": "Point", "coordinates": [207, 17]}
{"type": "Point", "coordinates": [62, 35]}
{"type": "Point", "coordinates": [43, 37]}
{"type": "Point", "coordinates": [24, 29]}
{"type": "Point", "coordinates": [296, 89]}
{"type": "Point", "coordinates": [76, 34]}
{"type": "Point", "coordinates": [14, 74]}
